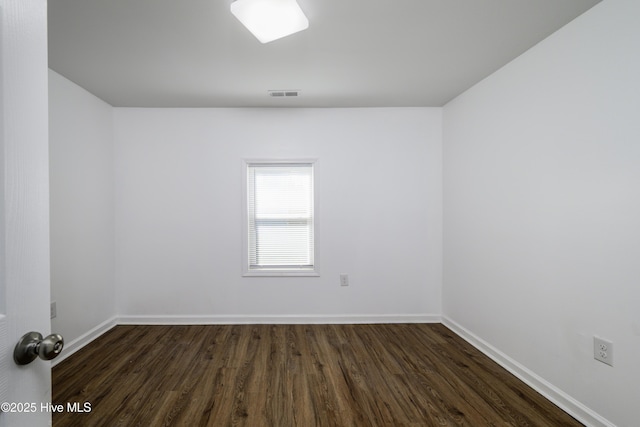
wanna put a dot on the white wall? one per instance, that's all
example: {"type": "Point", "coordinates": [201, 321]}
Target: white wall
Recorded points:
{"type": "Point", "coordinates": [82, 208]}
{"type": "Point", "coordinates": [542, 209]}
{"type": "Point", "coordinates": [178, 212]}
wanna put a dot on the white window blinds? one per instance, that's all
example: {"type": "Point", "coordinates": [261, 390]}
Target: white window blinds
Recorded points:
{"type": "Point", "coordinates": [280, 205]}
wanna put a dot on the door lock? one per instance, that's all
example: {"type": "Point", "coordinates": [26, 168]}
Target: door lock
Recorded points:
{"type": "Point", "coordinates": [32, 345]}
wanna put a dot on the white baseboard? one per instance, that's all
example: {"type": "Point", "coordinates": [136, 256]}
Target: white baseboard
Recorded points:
{"type": "Point", "coordinates": [276, 319]}
{"type": "Point", "coordinates": [77, 344]}
{"type": "Point", "coordinates": [555, 395]}
{"type": "Point", "coordinates": [84, 339]}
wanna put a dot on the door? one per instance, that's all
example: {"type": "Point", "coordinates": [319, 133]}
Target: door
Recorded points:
{"type": "Point", "coordinates": [24, 208]}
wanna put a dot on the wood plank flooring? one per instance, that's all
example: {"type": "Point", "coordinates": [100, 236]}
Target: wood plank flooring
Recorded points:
{"type": "Point", "coordinates": [293, 375]}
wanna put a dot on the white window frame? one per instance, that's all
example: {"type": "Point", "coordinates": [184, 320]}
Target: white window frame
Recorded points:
{"type": "Point", "coordinates": [276, 272]}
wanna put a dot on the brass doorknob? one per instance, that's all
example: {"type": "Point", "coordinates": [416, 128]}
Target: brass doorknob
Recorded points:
{"type": "Point", "coordinates": [32, 345]}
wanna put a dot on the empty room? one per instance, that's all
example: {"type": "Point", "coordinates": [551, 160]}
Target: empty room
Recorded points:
{"type": "Point", "coordinates": [392, 213]}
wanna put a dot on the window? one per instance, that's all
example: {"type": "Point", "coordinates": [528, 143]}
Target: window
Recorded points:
{"type": "Point", "coordinates": [279, 219]}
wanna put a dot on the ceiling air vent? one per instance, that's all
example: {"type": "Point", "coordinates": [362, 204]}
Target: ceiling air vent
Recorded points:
{"type": "Point", "coordinates": [283, 93]}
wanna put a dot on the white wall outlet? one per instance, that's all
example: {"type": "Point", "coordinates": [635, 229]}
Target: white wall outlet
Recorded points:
{"type": "Point", "coordinates": [344, 280]}
{"type": "Point", "coordinates": [603, 350]}
{"type": "Point", "coordinates": [54, 309]}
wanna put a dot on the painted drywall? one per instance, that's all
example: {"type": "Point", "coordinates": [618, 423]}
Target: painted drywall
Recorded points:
{"type": "Point", "coordinates": [542, 209]}
{"type": "Point", "coordinates": [178, 211]}
{"type": "Point", "coordinates": [82, 208]}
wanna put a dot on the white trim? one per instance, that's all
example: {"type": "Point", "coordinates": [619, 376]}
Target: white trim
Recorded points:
{"type": "Point", "coordinates": [77, 344]}
{"type": "Point", "coordinates": [570, 405]}
{"type": "Point", "coordinates": [312, 272]}
{"type": "Point", "coordinates": [558, 397]}
{"type": "Point", "coordinates": [281, 273]}
{"type": "Point", "coordinates": [276, 319]}
{"type": "Point", "coordinates": [84, 339]}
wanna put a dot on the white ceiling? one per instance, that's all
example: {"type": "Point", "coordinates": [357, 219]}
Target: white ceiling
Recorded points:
{"type": "Point", "coordinates": [356, 53]}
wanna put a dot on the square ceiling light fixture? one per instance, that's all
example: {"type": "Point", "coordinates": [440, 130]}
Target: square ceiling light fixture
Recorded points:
{"type": "Point", "coordinates": [270, 20]}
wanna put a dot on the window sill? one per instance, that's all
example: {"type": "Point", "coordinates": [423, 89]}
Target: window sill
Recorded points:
{"type": "Point", "coordinates": [281, 273]}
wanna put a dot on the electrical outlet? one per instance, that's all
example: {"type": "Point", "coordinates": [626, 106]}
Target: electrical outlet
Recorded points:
{"type": "Point", "coordinates": [603, 350]}
{"type": "Point", "coordinates": [344, 280]}
{"type": "Point", "coordinates": [54, 309]}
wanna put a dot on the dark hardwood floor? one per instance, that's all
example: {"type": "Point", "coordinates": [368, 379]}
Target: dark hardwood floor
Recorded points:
{"type": "Point", "coordinates": [293, 375]}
